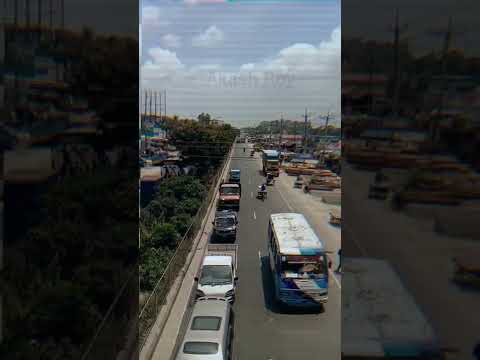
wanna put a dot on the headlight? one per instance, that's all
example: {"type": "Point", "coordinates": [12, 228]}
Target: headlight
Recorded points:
{"type": "Point", "coordinates": [200, 293]}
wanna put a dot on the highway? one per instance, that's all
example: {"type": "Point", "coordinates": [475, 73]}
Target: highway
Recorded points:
{"type": "Point", "coordinates": [261, 330]}
{"type": "Point", "coordinates": [421, 257]}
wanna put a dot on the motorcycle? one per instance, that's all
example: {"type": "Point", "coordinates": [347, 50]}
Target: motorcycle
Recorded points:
{"type": "Point", "coordinates": [261, 194]}
{"type": "Point", "coordinates": [270, 179]}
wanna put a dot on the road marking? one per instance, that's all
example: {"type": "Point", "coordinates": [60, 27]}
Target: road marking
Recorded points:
{"type": "Point", "coordinates": [285, 200]}
{"type": "Point", "coordinates": [249, 181]}
{"type": "Point", "coordinates": [254, 216]}
{"type": "Point", "coordinates": [251, 194]}
{"type": "Point", "coordinates": [335, 278]}
{"type": "Point", "coordinates": [260, 257]}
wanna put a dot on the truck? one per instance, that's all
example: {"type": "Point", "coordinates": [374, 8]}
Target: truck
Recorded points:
{"type": "Point", "coordinates": [271, 162]}
{"type": "Point", "coordinates": [234, 176]}
{"type": "Point", "coordinates": [230, 194]}
{"type": "Point", "coordinates": [225, 225]}
{"type": "Point", "coordinates": [381, 319]}
{"type": "Point", "coordinates": [217, 276]}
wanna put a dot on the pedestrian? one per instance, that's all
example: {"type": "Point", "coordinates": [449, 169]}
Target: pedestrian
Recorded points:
{"type": "Point", "coordinates": [243, 149]}
{"type": "Point", "coordinates": [339, 268]}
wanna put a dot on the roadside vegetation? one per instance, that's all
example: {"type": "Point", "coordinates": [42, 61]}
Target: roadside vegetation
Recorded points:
{"type": "Point", "coordinates": [165, 219]}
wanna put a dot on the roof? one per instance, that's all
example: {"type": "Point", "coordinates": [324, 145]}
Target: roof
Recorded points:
{"type": "Point", "coordinates": [380, 317]}
{"type": "Point", "coordinates": [210, 307]}
{"type": "Point", "coordinates": [271, 152]}
{"type": "Point", "coordinates": [217, 260]}
{"type": "Point", "coordinates": [231, 185]}
{"type": "Point", "coordinates": [294, 235]}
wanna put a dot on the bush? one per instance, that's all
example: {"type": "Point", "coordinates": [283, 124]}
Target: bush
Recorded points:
{"type": "Point", "coordinates": [153, 263]}
{"type": "Point", "coordinates": [164, 235]}
{"type": "Point", "coordinates": [182, 223]}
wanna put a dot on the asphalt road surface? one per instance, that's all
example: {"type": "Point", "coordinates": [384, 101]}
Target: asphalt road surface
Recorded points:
{"type": "Point", "coordinates": [262, 331]}
{"type": "Point", "coordinates": [421, 257]}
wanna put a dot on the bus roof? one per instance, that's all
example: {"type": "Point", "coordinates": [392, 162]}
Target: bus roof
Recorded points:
{"type": "Point", "coordinates": [294, 235]}
{"type": "Point", "coordinates": [271, 152]}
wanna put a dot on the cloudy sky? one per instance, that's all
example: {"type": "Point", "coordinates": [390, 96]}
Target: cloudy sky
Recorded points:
{"type": "Point", "coordinates": [243, 62]}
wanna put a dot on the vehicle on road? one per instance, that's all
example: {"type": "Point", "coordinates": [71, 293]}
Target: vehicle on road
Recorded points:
{"type": "Point", "coordinates": [298, 261]}
{"type": "Point", "coordinates": [271, 162]}
{"type": "Point", "coordinates": [225, 225]}
{"type": "Point", "coordinates": [218, 272]}
{"type": "Point", "coordinates": [299, 181]}
{"type": "Point", "coordinates": [252, 153]}
{"type": "Point", "coordinates": [270, 179]}
{"type": "Point", "coordinates": [209, 335]}
{"type": "Point", "coordinates": [234, 176]}
{"type": "Point", "coordinates": [230, 194]}
{"type": "Point", "coordinates": [261, 193]}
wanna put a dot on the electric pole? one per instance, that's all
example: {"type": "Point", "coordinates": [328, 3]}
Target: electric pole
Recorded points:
{"type": "Point", "coordinates": [305, 130]}
{"type": "Point", "coordinates": [155, 115]}
{"type": "Point", "coordinates": [397, 30]}
{"type": "Point", "coordinates": [280, 138]}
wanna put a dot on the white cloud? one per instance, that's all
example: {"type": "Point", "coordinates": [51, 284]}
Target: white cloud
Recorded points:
{"type": "Point", "coordinates": [171, 41]}
{"type": "Point", "coordinates": [298, 76]}
{"type": "Point", "coordinates": [212, 37]}
{"type": "Point", "coordinates": [153, 16]}
{"type": "Point", "coordinates": [163, 64]}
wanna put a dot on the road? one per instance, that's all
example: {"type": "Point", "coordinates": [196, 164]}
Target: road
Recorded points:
{"type": "Point", "coordinates": [261, 330]}
{"type": "Point", "coordinates": [421, 257]}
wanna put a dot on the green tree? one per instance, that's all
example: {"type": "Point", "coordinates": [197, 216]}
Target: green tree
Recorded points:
{"type": "Point", "coordinates": [164, 235]}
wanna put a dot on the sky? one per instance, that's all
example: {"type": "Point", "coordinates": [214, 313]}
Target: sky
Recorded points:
{"type": "Point", "coordinates": [243, 61]}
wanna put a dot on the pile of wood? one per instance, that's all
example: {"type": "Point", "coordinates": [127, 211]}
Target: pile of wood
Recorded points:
{"type": "Point", "coordinates": [323, 180]}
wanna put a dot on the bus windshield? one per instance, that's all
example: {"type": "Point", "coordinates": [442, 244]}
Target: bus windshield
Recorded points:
{"type": "Point", "coordinates": [314, 267]}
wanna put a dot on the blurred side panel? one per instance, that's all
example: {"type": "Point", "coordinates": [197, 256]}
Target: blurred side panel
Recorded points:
{"type": "Point", "coordinates": [69, 151]}
{"type": "Point", "coordinates": [411, 187]}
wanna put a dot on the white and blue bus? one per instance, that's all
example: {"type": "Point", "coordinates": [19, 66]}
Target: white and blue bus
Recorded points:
{"type": "Point", "coordinates": [298, 261]}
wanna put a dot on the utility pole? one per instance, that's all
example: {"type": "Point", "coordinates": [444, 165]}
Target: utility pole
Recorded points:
{"type": "Point", "coordinates": [280, 137]}
{"type": "Point", "coordinates": [145, 108]}
{"type": "Point", "coordinates": [305, 130]}
{"type": "Point", "coordinates": [396, 65]}
{"type": "Point", "coordinates": [444, 81]}
{"type": "Point", "coordinates": [155, 115]}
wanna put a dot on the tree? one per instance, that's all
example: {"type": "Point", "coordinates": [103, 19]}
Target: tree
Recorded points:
{"type": "Point", "coordinates": [164, 235]}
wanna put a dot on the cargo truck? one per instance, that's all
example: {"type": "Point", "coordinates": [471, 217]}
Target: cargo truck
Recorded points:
{"type": "Point", "coordinates": [218, 273]}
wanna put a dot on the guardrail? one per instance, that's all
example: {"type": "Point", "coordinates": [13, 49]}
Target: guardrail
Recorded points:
{"type": "Point", "coordinates": [157, 297]}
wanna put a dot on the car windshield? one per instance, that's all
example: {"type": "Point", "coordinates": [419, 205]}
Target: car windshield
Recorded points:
{"type": "Point", "coordinates": [229, 190]}
{"type": "Point", "coordinates": [225, 222]}
{"type": "Point", "coordinates": [211, 323]}
{"type": "Point", "coordinates": [216, 275]}
{"type": "Point", "coordinates": [303, 269]}
{"type": "Point", "coordinates": [200, 348]}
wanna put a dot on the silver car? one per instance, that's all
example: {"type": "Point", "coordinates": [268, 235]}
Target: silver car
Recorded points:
{"type": "Point", "coordinates": [209, 335]}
